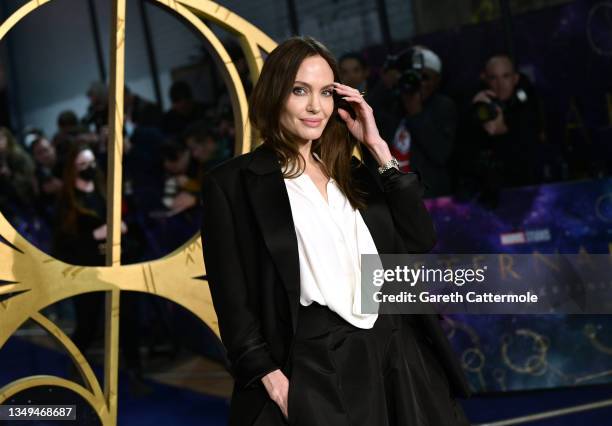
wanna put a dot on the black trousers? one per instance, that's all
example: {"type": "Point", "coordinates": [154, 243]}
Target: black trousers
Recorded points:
{"type": "Point", "coordinates": [342, 375]}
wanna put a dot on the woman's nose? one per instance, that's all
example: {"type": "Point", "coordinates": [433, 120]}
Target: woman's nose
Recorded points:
{"type": "Point", "coordinates": [314, 105]}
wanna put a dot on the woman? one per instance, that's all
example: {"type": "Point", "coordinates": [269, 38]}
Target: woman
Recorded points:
{"type": "Point", "coordinates": [80, 238]}
{"type": "Point", "coordinates": [81, 224]}
{"type": "Point", "coordinates": [283, 228]}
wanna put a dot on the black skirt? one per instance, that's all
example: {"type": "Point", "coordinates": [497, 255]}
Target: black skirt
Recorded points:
{"type": "Point", "coordinates": [342, 375]}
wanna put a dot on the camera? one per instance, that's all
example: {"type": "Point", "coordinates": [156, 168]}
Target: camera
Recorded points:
{"type": "Point", "coordinates": [410, 63]}
{"type": "Point", "coordinates": [483, 112]}
{"type": "Point", "coordinates": [487, 111]}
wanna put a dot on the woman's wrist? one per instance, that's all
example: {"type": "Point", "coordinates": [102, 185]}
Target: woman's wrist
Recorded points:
{"type": "Point", "coordinates": [380, 151]}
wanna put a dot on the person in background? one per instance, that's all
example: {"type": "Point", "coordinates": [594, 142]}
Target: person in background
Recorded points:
{"type": "Point", "coordinates": [17, 181]}
{"type": "Point", "coordinates": [509, 134]}
{"type": "Point", "coordinates": [139, 112]}
{"type": "Point", "coordinates": [80, 239]}
{"type": "Point", "coordinates": [81, 221]}
{"type": "Point", "coordinates": [67, 123]}
{"type": "Point", "coordinates": [184, 111]}
{"type": "Point", "coordinates": [48, 174]}
{"type": "Point", "coordinates": [68, 126]}
{"type": "Point", "coordinates": [421, 128]}
{"type": "Point", "coordinates": [502, 129]}
{"type": "Point", "coordinates": [180, 186]}
{"type": "Point", "coordinates": [207, 149]}
{"type": "Point", "coordinates": [383, 92]}
{"type": "Point", "coordinates": [97, 111]}
{"type": "Point", "coordinates": [225, 131]}
{"type": "Point", "coordinates": [354, 71]}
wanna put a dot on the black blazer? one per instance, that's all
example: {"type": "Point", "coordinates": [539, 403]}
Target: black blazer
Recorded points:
{"type": "Point", "coordinates": [251, 257]}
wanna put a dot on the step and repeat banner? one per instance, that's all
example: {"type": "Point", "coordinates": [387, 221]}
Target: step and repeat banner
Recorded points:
{"type": "Point", "coordinates": [519, 352]}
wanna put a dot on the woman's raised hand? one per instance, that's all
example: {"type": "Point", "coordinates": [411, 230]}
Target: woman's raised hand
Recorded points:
{"type": "Point", "coordinates": [363, 126]}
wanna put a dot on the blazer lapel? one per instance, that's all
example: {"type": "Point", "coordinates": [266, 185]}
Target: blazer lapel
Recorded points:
{"type": "Point", "coordinates": [270, 200]}
{"type": "Point", "coordinates": [272, 210]}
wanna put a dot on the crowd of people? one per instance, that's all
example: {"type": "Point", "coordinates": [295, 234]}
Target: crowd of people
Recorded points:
{"type": "Point", "coordinates": [53, 190]}
{"type": "Point", "coordinates": [52, 187]}
{"type": "Point", "coordinates": [59, 180]}
{"type": "Point", "coordinates": [476, 148]}
{"type": "Point", "coordinates": [472, 149]}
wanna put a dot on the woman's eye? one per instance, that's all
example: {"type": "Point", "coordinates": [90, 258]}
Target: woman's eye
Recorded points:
{"type": "Point", "coordinates": [299, 91]}
{"type": "Point", "coordinates": [327, 92]}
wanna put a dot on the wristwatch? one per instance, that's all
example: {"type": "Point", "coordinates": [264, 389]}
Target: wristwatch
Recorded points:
{"type": "Point", "coordinates": [391, 164]}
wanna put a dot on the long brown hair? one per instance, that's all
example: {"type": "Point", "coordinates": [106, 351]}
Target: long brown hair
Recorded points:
{"type": "Point", "coordinates": [334, 147]}
{"type": "Point", "coordinates": [69, 207]}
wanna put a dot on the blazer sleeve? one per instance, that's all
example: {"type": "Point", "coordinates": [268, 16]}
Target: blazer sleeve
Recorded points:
{"type": "Point", "coordinates": [403, 192]}
{"type": "Point", "coordinates": [247, 351]}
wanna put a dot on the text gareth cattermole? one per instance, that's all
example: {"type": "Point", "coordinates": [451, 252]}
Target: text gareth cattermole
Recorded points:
{"type": "Point", "coordinates": [411, 276]}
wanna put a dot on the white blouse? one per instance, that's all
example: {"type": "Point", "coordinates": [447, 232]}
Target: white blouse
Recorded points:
{"type": "Point", "coordinates": [331, 238]}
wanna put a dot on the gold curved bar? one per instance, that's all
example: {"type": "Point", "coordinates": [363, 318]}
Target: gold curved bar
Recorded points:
{"type": "Point", "coordinates": [115, 191]}
{"type": "Point", "coordinates": [35, 280]}
{"type": "Point", "coordinates": [19, 14]}
{"type": "Point", "coordinates": [115, 137]}
{"type": "Point", "coordinates": [29, 268]}
{"type": "Point", "coordinates": [251, 38]}
{"type": "Point", "coordinates": [77, 356]}
{"type": "Point", "coordinates": [230, 21]}
{"type": "Point", "coordinates": [228, 71]}
{"type": "Point", "coordinates": [111, 352]}
{"type": "Point", "coordinates": [24, 383]}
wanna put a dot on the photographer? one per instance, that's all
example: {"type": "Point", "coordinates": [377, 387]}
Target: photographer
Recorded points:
{"type": "Point", "coordinates": [421, 128]}
{"type": "Point", "coordinates": [354, 70]}
{"type": "Point", "coordinates": [505, 129]}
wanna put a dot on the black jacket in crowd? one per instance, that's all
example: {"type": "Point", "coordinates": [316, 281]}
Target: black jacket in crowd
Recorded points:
{"type": "Point", "coordinates": [433, 136]}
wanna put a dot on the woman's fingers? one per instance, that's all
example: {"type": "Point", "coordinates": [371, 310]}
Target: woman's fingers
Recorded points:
{"type": "Point", "coordinates": [283, 403]}
{"type": "Point", "coordinates": [356, 99]}
{"type": "Point", "coordinates": [345, 116]}
{"type": "Point", "coordinates": [285, 410]}
{"type": "Point", "coordinates": [346, 90]}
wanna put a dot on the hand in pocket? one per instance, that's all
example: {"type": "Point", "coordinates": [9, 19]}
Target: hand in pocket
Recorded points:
{"type": "Point", "coordinates": [277, 385]}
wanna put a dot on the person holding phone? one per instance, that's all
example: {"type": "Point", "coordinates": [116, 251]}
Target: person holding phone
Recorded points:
{"type": "Point", "coordinates": [283, 229]}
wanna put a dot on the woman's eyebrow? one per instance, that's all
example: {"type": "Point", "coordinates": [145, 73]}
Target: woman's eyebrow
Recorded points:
{"type": "Point", "coordinates": [309, 86]}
